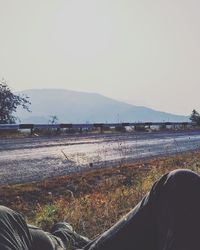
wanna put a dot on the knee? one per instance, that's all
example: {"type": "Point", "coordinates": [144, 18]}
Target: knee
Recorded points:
{"type": "Point", "coordinates": [182, 178]}
{"type": "Point", "coordinates": [177, 190]}
{"type": "Point", "coordinates": [7, 214]}
{"type": "Point", "coordinates": [180, 182]}
{"type": "Point", "coordinates": [180, 185]}
{"type": "Point", "coordinates": [5, 211]}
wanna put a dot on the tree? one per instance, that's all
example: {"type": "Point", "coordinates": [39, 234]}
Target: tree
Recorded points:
{"type": "Point", "coordinates": [53, 119]}
{"type": "Point", "coordinates": [9, 102]}
{"type": "Point", "coordinates": [195, 117]}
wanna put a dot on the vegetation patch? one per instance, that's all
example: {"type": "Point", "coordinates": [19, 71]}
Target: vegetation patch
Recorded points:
{"type": "Point", "coordinates": [91, 201]}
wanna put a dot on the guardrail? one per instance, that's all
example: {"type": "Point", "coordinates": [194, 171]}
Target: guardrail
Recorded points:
{"type": "Point", "coordinates": [32, 127]}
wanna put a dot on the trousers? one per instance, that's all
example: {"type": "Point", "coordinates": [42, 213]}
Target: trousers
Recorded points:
{"type": "Point", "coordinates": [167, 218]}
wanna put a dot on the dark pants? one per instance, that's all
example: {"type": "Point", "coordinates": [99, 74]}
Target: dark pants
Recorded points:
{"type": "Point", "coordinates": [167, 218]}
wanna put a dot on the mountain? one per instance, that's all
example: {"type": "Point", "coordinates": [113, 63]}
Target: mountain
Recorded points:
{"type": "Point", "coordinates": [80, 107]}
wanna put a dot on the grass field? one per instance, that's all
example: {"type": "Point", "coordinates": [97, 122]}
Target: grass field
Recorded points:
{"type": "Point", "coordinates": [91, 201]}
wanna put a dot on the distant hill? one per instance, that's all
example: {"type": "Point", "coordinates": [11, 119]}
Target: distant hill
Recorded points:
{"type": "Point", "coordinates": [80, 107]}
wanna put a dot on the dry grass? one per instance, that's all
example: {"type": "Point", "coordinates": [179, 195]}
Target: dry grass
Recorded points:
{"type": "Point", "coordinates": [91, 201]}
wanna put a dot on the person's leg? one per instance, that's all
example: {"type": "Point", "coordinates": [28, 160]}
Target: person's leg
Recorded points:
{"type": "Point", "coordinates": [14, 233]}
{"type": "Point", "coordinates": [167, 218]}
{"type": "Point", "coordinates": [178, 212]}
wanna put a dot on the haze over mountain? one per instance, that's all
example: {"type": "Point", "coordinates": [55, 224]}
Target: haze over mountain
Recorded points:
{"type": "Point", "coordinates": [80, 107]}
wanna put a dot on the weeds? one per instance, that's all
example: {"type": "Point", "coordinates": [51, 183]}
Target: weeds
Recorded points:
{"type": "Point", "coordinates": [91, 201]}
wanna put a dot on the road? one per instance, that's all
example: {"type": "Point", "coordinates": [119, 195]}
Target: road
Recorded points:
{"type": "Point", "coordinates": [31, 159]}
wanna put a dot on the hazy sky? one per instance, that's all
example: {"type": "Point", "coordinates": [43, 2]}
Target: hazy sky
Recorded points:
{"type": "Point", "coordinates": [146, 52]}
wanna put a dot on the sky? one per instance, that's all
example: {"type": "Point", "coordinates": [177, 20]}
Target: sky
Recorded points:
{"type": "Point", "coordinates": [142, 52]}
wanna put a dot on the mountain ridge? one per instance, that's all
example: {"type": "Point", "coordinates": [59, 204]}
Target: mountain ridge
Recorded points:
{"type": "Point", "coordinates": [81, 107]}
